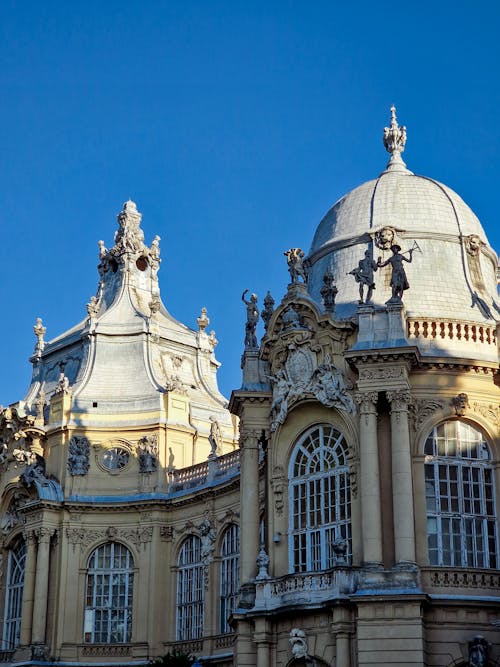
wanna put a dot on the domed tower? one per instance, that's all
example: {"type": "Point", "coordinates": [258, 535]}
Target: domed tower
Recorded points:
{"type": "Point", "coordinates": [119, 469]}
{"type": "Point", "coordinates": [373, 393]}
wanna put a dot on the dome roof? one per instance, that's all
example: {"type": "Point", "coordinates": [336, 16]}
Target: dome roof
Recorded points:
{"type": "Point", "coordinates": [399, 199]}
{"type": "Point", "coordinates": [453, 273]}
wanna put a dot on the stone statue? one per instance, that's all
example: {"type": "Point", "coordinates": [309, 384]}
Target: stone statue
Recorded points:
{"type": "Point", "coordinates": [291, 319]}
{"type": "Point", "coordinates": [298, 643]}
{"type": "Point", "coordinates": [154, 256]}
{"type": "Point", "coordinates": [279, 407]}
{"type": "Point", "coordinates": [147, 450]}
{"type": "Point", "coordinates": [252, 320]}
{"type": "Point", "coordinates": [339, 547]}
{"type": "Point", "coordinates": [103, 251]}
{"type": "Point", "coordinates": [328, 291]}
{"type": "Point", "coordinates": [478, 649]}
{"type": "Point", "coordinates": [295, 257]}
{"type": "Point", "coordinates": [215, 436]}
{"type": "Point", "coordinates": [399, 282]}
{"type": "Point", "coordinates": [363, 274]}
{"type": "Point", "coordinates": [262, 561]}
{"type": "Point", "coordinates": [327, 384]}
{"type": "Point", "coordinates": [93, 306]}
{"type": "Point", "coordinates": [268, 309]}
{"type": "Point", "coordinates": [78, 455]}
{"type": "Point", "coordinates": [62, 384]}
{"type": "Point", "coordinates": [40, 331]}
{"type": "Point", "coordinates": [34, 472]}
{"type": "Point", "coordinates": [207, 534]}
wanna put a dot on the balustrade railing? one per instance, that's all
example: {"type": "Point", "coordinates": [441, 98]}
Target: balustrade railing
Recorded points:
{"type": "Point", "coordinates": [435, 329]}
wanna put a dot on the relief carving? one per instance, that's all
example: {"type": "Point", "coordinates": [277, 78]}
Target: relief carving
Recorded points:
{"type": "Point", "coordinates": [460, 403]}
{"type": "Point", "coordinates": [147, 451]}
{"type": "Point", "coordinates": [78, 455]}
{"type": "Point", "coordinates": [302, 375]}
{"type": "Point", "coordinates": [422, 409]}
{"type": "Point", "coordinates": [384, 238]}
{"type": "Point", "coordinates": [278, 486]}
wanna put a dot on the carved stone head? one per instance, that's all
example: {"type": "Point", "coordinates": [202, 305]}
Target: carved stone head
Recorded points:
{"type": "Point", "coordinates": [473, 244]}
{"type": "Point", "coordinates": [384, 238]}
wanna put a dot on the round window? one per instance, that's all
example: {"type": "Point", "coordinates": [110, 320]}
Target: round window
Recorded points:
{"type": "Point", "coordinates": [115, 458]}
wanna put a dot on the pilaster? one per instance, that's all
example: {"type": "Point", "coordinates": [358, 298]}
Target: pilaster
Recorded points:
{"type": "Point", "coordinates": [402, 484]}
{"type": "Point", "coordinates": [371, 518]}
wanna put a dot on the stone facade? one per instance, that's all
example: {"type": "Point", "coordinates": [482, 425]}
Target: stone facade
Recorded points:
{"type": "Point", "coordinates": [341, 512]}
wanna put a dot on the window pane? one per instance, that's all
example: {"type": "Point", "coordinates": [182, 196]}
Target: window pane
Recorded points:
{"type": "Point", "coordinates": [108, 612]}
{"type": "Point", "coordinates": [319, 494]}
{"type": "Point", "coordinates": [461, 523]}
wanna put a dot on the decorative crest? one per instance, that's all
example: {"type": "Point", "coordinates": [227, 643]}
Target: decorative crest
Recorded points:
{"type": "Point", "coordinates": [268, 310]}
{"type": "Point", "coordinates": [39, 330]}
{"type": "Point", "coordinates": [129, 237]}
{"type": "Point", "coordinates": [394, 141]}
{"type": "Point", "coordinates": [203, 321]}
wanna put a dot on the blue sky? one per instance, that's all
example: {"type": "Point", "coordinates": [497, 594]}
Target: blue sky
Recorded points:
{"type": "Point", "coordinates": [234, 126]}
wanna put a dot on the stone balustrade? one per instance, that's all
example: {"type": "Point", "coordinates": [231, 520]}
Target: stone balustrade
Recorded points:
{"type": "Point", "coordinates": [464, 332]}
{"type": "Point", "coordinates": [201, 473]}
{"type": "Point", "coordinates": [487, 581]}
{"type": "Point", "coordinates": [305, 588]}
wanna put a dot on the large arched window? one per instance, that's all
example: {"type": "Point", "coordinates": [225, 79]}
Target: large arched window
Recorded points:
{"type": "Point", "coordinates": [230, 551]}
{"type": "Point", "coordinates": [14, 596]}
{"type": "Point", "coordinates": [461, 525]}
{"type": "Point", "coordinates": [108, 605]}
{"type": "Point", "coordinates": [190, 590]}
{"type": "Point", "coordinates": [320, 504]}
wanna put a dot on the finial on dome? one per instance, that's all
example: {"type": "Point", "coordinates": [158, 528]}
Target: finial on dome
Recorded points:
{"type": "Point", "coordinates": [394, 142]}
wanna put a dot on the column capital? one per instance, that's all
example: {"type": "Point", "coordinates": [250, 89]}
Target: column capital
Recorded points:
{"type": "Point", "coordinates": [249, 437]}
{"type": "Point", "coordinates": [399, 399]}
{"type": "Point", "coordinates": [367, 401]}
{"type": "Point", "coordinates": [44, 534]}
{"type": "Point", "coordinates": [29, 536]}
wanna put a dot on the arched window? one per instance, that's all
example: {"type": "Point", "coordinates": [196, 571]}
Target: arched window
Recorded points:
{"type": "Point", "coordinates": [190, 590]}
{"type": "Point", "coordinates": [108, 605]}
{"type": "Point", "coordinates": [461, 525]}
{"type": "Point", "coordinates": [14, 596]}
{"type": "Point", "coordinates": [320, 504]}
{"type": "Point", "coordinates": [230, 552]}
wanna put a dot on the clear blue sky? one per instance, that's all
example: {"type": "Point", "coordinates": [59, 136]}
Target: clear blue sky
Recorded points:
{"type": "Point", "coordinates": [234, 126]}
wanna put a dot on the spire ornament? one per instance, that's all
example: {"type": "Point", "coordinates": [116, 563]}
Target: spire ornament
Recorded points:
{"type": "Point", "coordinates": [394, 142]}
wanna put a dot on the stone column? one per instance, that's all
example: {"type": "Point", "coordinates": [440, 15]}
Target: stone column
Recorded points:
{"type": "Point", "coordinates": [402, 485]}
{"type": "Point", "coordinates": [369, 487]}
{"type": "Point", "coordinates": [41, 586]}
{"type": "Point", "coordinates": [343, 650]}
{"type": "Point", "coordinates": [249, 514]}
{"type": "Point", "coordinates": [262, 639]}
{"type": "Point", "coordinates": [29, 588]}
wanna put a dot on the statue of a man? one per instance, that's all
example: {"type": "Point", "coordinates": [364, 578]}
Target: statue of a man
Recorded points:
{"type": "Point", "coordinates": [363, 274]}
{"type": "Point", "coordinates": [252, 320]}
{"type": "Point", "coordinates": [295, 257]}
{"type": "Point", "coordinates": [399, 282]}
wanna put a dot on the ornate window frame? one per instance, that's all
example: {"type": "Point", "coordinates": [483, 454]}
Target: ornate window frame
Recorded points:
{"type": "Point", "coordinates": [109, 595]}
{"type": "Point", "coordinates": [14, 587]}
{"type": "Point", "coordinates": [229, 575]}
{"type": "Point", "coordinates": [319, 500]}
{"type": "Point", "coordinates": [190, 595]}
{"type": "Point", "coordinates": [460, 497]}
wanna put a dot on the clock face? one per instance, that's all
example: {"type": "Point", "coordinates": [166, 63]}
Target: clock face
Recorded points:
{"type": "Point", "coordinates": [115, 458]}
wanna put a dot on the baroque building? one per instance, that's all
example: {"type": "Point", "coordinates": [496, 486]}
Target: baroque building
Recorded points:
{"type": "Point", "coordinates": [340, 510]}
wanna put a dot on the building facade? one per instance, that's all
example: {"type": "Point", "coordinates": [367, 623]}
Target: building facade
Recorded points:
{"type": "Point", "coordinates": [341, 510]}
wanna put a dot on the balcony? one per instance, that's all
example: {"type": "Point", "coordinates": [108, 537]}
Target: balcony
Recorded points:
{"type": "Point", "coordinates": [309, 589]}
